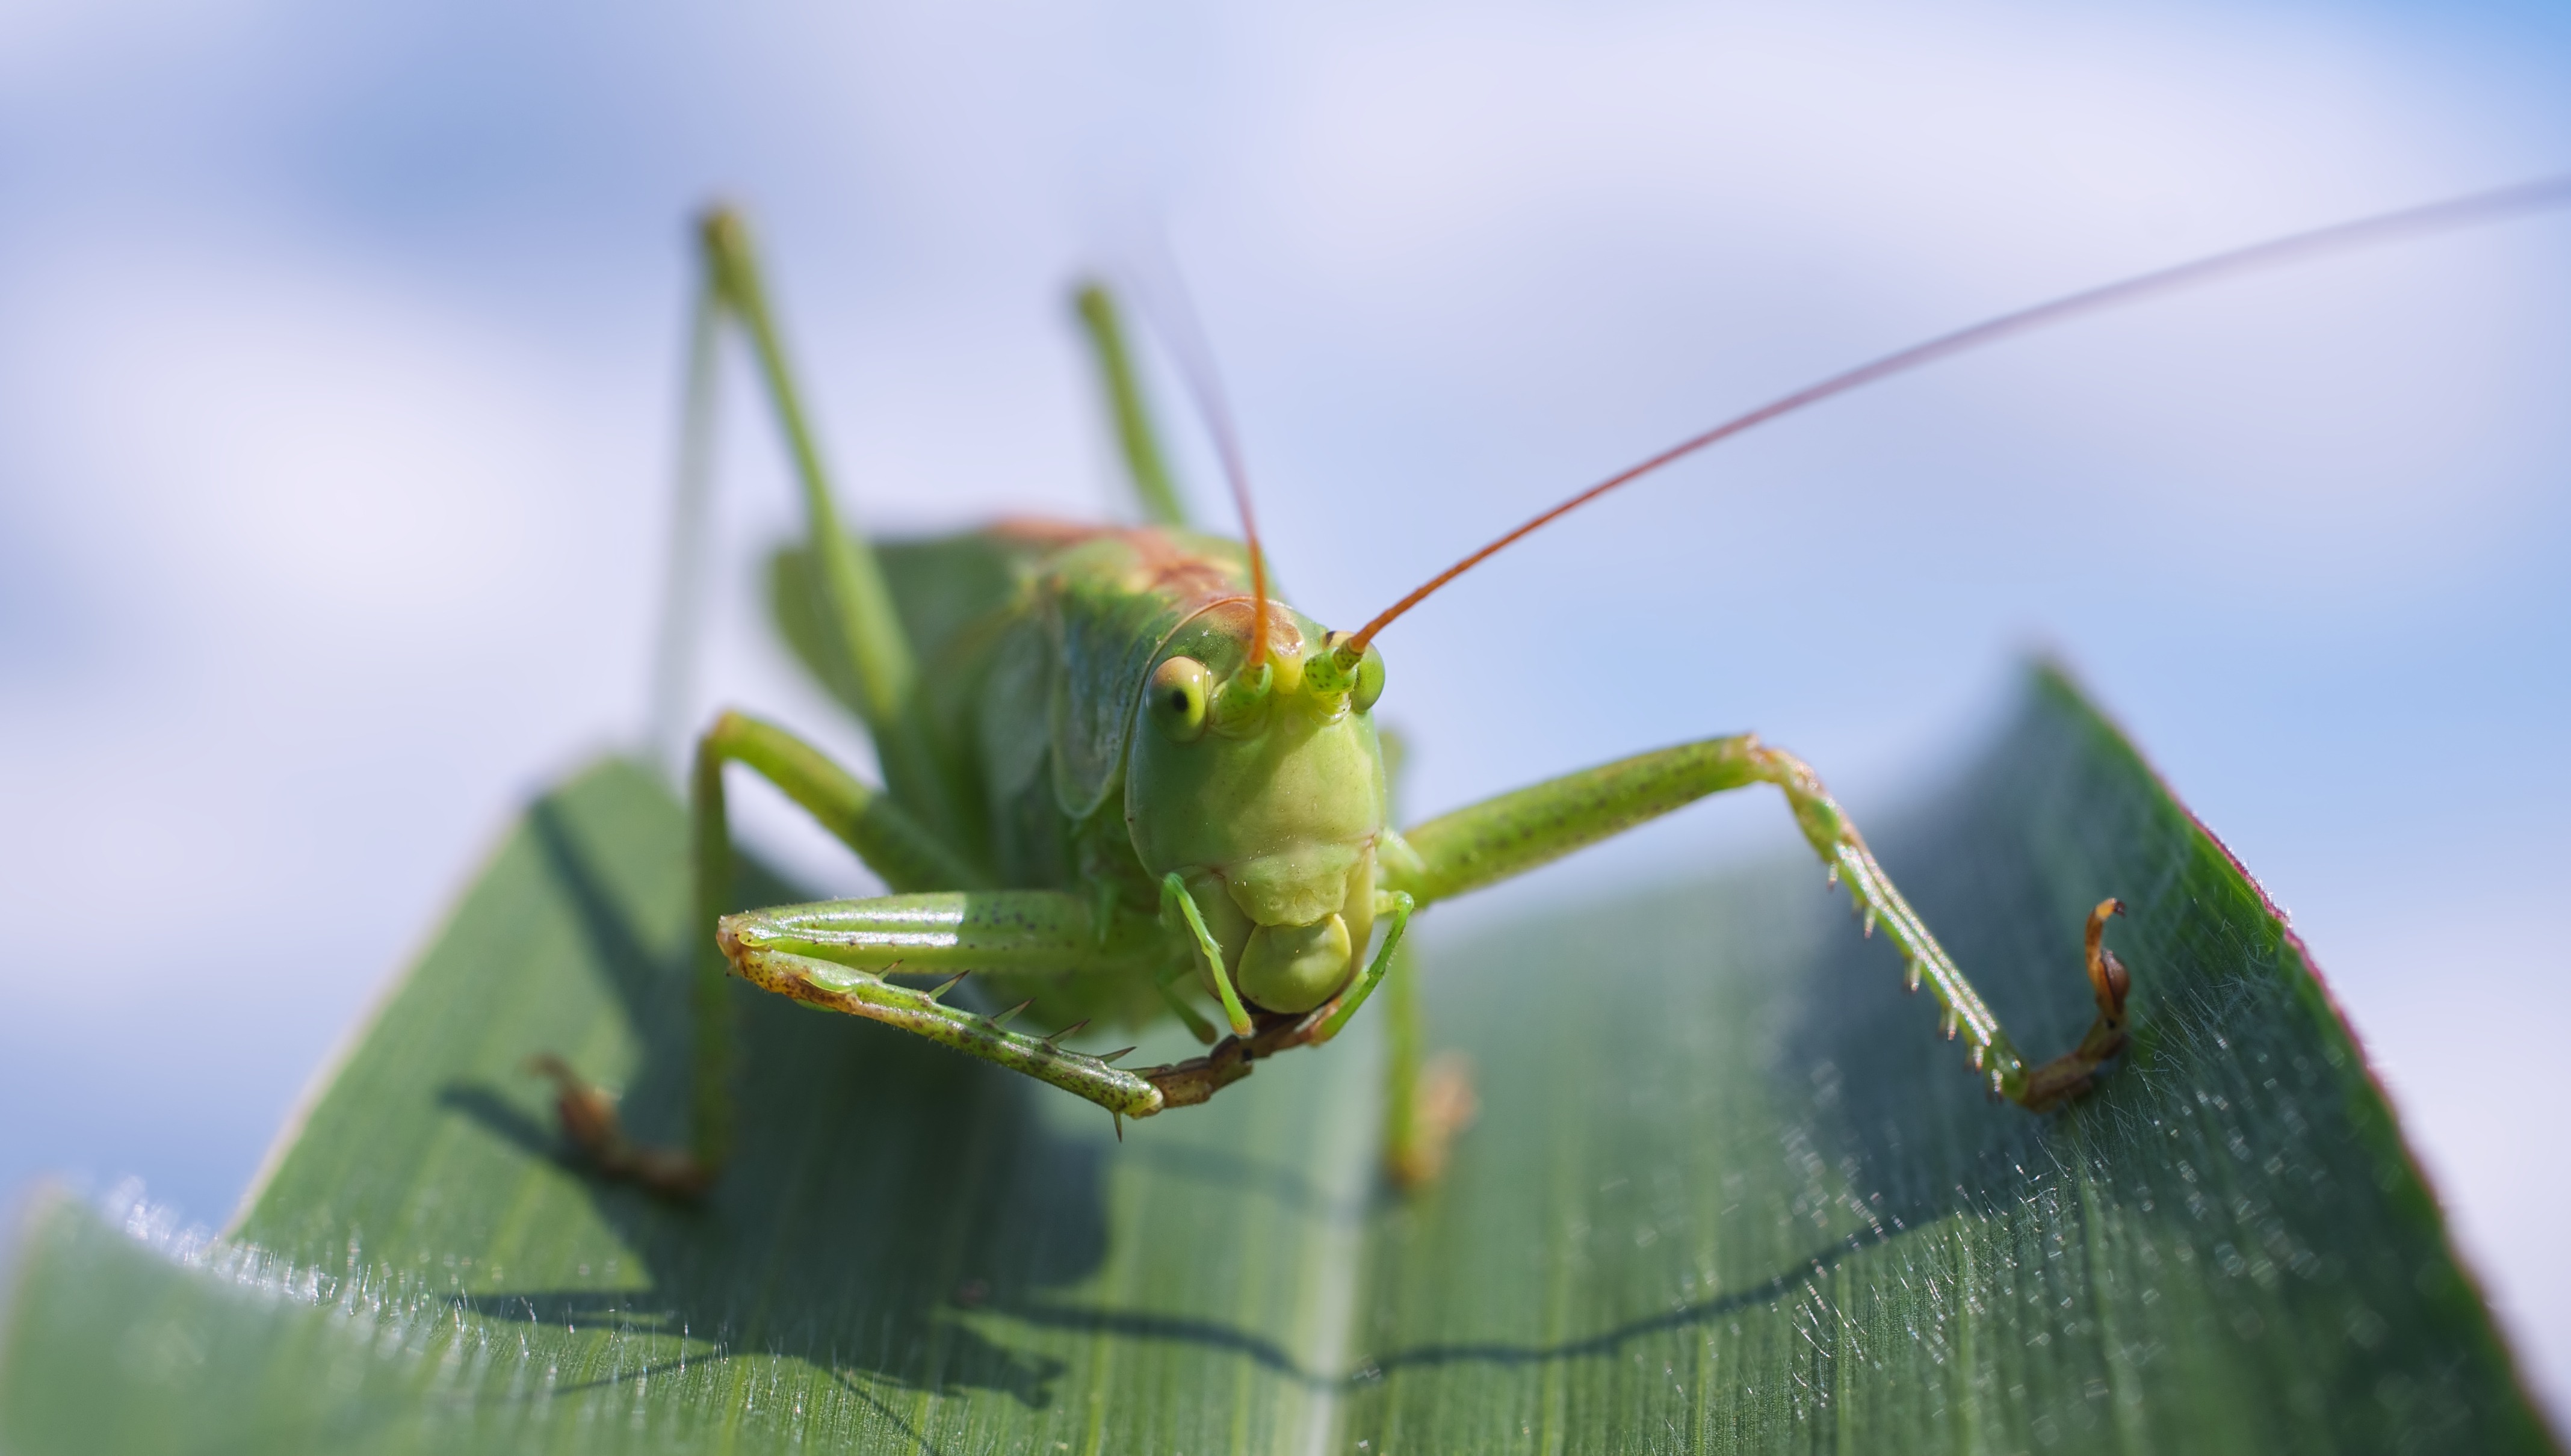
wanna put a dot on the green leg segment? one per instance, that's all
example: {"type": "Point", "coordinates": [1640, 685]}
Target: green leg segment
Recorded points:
{"type": "Point", "coordinates": [1345, 1004]}
{"type": "Point", "coordinates": [884, 836]}
{"type": "Point", "coordinates": [1176, 905]}
{"type": "Point", "coordinates": [1167, 983]}
{"type": "Point", "coordinates": [835, 955]}
{"type": "Point", "coordinates": [674, 665]}
{"type": "Point", "coordinates": [1427, 1100]}
{"type": "Point", "coordinates": [1515, 832]}
{"type": "Point", "coordinates": [856, 603]}
{"type": "Point", "coordinates": [1144, 462]}
{"type": "Point", "coordinates": [891, 842]}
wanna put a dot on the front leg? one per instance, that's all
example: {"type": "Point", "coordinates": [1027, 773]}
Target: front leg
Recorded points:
{"type": "Point", "coordinates": [835, 955]}
{"type": "Point", "coordinates": [1515, 832]}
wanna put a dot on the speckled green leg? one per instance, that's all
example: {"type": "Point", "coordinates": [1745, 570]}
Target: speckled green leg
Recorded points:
{"type": "Point", "coordinates": [884, 836]}
{"type": "Point", "coordinates": [1515, 832]}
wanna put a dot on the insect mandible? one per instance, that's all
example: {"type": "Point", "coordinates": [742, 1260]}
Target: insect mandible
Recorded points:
{"type": "Point", "coordinates": [1122, 781]}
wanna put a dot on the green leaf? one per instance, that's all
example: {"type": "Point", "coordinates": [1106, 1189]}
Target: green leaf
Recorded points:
{"type": "Point", "coordinates": [1728, 1192]}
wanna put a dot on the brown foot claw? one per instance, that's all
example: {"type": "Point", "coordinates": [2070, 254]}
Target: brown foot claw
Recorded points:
{"type": "Point", "coordinates": [588, 1119]}
{"type": "Point", "coordinates": [1185, 1084]}
{"type": "Point", "coordinates": [2067, 1076]}
{"type": "Point", "coordinates": [1442, 1106]}
{"type": "Point", "coordinates": [2108, 979]}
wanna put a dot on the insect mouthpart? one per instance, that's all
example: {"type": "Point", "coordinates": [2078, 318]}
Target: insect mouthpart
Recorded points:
{"type": "Point", "coordinates": [1296, 967]}
{"type": "Point", "coordinates": [1299, 918]}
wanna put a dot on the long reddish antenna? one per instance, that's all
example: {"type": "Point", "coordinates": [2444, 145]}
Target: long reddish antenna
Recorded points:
{"type": "Point", "coordinates": [2463, 212]}
{"type": "Point", "coordinates": [1178, 323]}
{"type": "Point", "coordinates": [1229, 447]}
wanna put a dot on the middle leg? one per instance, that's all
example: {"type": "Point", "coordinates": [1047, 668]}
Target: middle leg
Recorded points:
{"type": "Point", "coordinates": [887, 838]}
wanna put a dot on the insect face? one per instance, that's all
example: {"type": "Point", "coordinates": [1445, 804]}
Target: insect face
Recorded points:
{"type": "Point", "coordinates": [1262, 785]}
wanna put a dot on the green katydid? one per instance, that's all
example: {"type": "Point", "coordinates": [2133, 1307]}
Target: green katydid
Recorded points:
{"type": "Point", "coordinates": [1124, 781]}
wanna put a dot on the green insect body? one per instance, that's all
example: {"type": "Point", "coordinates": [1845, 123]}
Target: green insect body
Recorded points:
{"type": "Point", "coordinates": [1102, 732]}
{"type": "Point", "coordinates": [1124, 779]}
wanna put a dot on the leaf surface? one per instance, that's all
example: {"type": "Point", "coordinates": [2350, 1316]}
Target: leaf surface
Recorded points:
{"type": "Point", "coordinates": [1727, 1192]}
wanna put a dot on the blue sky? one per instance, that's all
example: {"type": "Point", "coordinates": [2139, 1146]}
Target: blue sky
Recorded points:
{"type": "Point", "coordinates": [334, 409]}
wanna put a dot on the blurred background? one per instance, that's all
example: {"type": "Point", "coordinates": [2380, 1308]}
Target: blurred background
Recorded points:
{"type": "Point", "coordinates": [341, 346]}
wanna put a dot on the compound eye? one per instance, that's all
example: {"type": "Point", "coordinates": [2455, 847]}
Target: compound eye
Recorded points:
{"type": "Point", "coordinates": [1369, 679]}
{"type": "Point", "coordinates": [1177, 698]}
